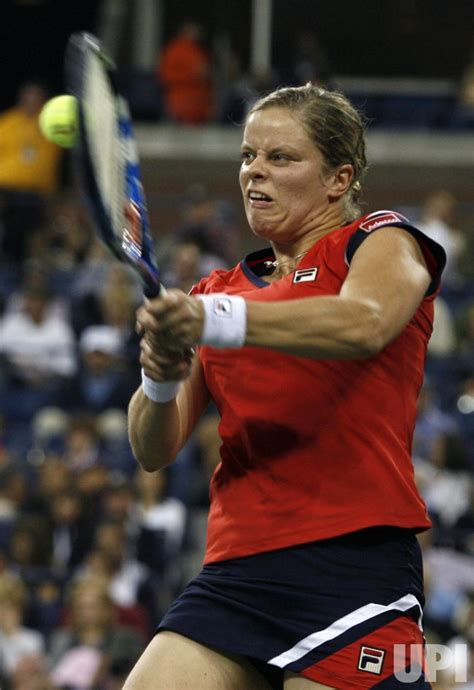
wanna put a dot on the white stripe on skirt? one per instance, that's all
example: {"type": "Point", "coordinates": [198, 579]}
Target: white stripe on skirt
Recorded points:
{"type": "Point", "coordinates": [307, 644]}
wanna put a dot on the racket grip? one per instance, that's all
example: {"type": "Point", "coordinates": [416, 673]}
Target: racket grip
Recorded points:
{"type": "Point", "coordinates": [152, 290]}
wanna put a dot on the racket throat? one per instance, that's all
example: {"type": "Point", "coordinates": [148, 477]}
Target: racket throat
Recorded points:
{"type": "Point", "coordinates": [132, 233]}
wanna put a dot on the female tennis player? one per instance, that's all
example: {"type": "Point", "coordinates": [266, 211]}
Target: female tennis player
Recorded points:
{"type": "Point", "coordinates": [313, 351]}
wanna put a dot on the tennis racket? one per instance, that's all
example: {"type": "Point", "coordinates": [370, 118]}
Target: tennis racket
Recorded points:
{"type": "Point", "coordinates": [106, 159]}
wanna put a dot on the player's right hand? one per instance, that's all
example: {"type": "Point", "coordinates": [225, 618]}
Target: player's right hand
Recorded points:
{"type": "Point", "coordinates": [160, 364]}
{"type": "Point", "coordinates": [175, 320]}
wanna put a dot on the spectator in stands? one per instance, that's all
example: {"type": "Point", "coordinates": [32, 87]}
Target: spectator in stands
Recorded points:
{"type": "Point", "coordinates": [462, 116]}
{"type": "Point", "coordinates": [29, 172]}
{"type": "Point", "coordinates": [70, 531]}
{"type": "Point", "coordinates": [449, 575]}
{"type": "Point", "coordinates": [38, 348]}
{"type": "Point", "coordinates": [66, 236]}
{"type": "Point", "coordinates": [465, 328]}
{"type": "Point", "coordinates": [437, 221]}
{"type": "Point", "coordinates": [82, 444]}
{"type": "Point", "coordinates": [98, 564]}
{"type": "Point", "coordinates": [29, 549]}
{"type": "Point", "coordinates": [310, 62]}
{"type": "Point", "coordinates": [86, 285]}
{"type": "Point", "coordinates": [29, 162]}
{"type": "Point", "coordinates": [160, 524]}
{"type": "Point", "coordinates": [443, 339]}
{"type": "Point", "coordinates": [13, 494]}
{"type": "Point", "coordinates": [53, 479]}
{"type": "Point", "coordinates": [113, 426]}
{"type": "Point", "coordinates": [118, 673]}
{"type": "Point", "coordinates": [239, 92]}
{"type": "Point", "coordinates": [448, 490]}
{"type": "Point", "coordinates": [119, 297]}
{"type": "Point", "coordinates": [37, 276]}
{"type": "Point", "coordinates": [103, 380]}
{"type": "Point", "coordinates": [99, 443]}
{"type": "Point", "coordinates": [106, 292]}
{"type": "Point", "coordinates": [185, 265]}
{"type": "Point", "coordinates": [212, 225]}
{"type": "Point", "coordinates": [432, 424]}
{"type": "Point", "coordinates": [185, 73]}
{"type": "Point", "coordinates": [131, 583]}
{"type": "Point", "coordinates": [88, 450]}
{"type": "Point", "coordinates": [117, 504]}
{"type": "Point", "coordinates": [464, 528]}
{"type": "Point", "coordinates": [241, 89]}
{"type": "Point", "coordinates": [465, 412]}
{"type": "Point", "coordinates": [462, 644]}
{"type": "Point", "coordinates": [46, 604]}
{"type": "Point", "coordinates": [31, 673]}
{"type": "Point", "coordinates": [82, 651]}
{"type": "Point", "coordinates": [16, 641]}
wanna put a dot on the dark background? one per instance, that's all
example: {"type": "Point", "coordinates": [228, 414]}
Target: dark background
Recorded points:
{"type": "Point", "coordinates": [419, 38]}
{"type": "Point", "coordinates": [33, 37]}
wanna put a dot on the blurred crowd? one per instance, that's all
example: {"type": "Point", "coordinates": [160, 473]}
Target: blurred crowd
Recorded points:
{"type": "Point", "coordinates": [192, 86]}
{"type": "Point", "coordinates": [92, 549]}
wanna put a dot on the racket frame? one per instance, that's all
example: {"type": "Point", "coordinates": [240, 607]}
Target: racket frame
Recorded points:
{"type": "Point", "coordinates": [132, 243]}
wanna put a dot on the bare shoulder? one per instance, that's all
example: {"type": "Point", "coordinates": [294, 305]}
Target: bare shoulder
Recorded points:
{"type": "Point", "coordinates": [390, 242]}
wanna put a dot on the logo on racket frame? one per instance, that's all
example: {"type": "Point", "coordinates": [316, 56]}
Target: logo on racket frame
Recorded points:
{"type": "Point", "coordinates": [132, 235]}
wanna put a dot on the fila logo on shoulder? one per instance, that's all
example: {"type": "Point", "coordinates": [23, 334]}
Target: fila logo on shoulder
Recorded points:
{"type": "Point", "coordinates": [223, 307]}
{"type": "Point", "coordinates": [371, 659]}
{"type": "Point", "coordinates": [305, 275]}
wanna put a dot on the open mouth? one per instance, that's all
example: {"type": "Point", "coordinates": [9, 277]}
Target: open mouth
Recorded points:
{"type": "Point", "coordinates": [259, 198]}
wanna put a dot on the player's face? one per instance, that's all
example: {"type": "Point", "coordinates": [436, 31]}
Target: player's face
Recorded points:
{"type": "Point", "coordinates": [281, 176]}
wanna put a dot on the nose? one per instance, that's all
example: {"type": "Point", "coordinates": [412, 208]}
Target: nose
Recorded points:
{"type": "Point", "coordinates": [256, 169]}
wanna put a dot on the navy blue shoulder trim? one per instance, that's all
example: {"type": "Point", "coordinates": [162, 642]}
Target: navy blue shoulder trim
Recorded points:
{"type": "Point", "coordinates": [434, 254]}
{"type": "Point", "coordinates": [254, 264]}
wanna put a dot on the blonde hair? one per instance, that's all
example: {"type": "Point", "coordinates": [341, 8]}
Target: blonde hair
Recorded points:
{"type": "Point", "coordinates": [334, 125]}
{"type": "Point", "coordinates": [97, 584]}
{"type": "Point", "coordinates": [12, 591]}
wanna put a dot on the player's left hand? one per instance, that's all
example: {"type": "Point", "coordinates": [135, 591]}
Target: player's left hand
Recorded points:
{"type": "Point", "coordinates": [175, 321]}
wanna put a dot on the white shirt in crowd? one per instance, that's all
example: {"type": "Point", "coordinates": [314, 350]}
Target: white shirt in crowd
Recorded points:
{"type": "Point", "coordinates": [24, 642]}
{"type": "Point", "coordinates": [46, 348]}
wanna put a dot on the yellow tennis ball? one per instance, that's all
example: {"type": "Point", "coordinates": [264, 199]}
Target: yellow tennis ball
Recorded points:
{"type": "Point", "coordinates": [59, 120]}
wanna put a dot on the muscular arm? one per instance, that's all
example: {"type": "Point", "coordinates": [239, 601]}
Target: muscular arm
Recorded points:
{"type": "Point", "coordinates": [386, 282]}
{"type": "Point", "coordinates": [158, 431]}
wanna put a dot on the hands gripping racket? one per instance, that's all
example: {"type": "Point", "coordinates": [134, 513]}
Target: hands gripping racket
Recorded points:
{"type": "Point", "coordinates": [107, 160]}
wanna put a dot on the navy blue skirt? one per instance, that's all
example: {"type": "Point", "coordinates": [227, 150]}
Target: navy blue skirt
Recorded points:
{"type": "Point", "coordinates": [345, 612]}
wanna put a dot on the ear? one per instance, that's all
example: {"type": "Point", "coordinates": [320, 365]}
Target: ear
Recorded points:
{"type": "Point", "coordinates": [339, 181]}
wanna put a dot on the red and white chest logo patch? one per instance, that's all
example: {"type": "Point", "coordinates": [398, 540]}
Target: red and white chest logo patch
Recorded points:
{"type": "Point", "coordinates": [371, 659]}
{"type": "Point", "coordinates": [376, 220]}
{"type": "Point", "coordinates": [305, 275]}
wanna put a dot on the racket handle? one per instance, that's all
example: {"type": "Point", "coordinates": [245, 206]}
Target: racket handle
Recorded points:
{"type": "Point", "coordinates": [152, 290]}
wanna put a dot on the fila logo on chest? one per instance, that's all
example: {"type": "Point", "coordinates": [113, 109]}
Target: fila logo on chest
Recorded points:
{"type": "Point", "coordinates": [305, 275]}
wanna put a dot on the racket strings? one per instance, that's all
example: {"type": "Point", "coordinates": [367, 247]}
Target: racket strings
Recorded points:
{"type": "Point", "coordinates": [105, 144]}
{"type": "Point", "coordinates": [107, 159]}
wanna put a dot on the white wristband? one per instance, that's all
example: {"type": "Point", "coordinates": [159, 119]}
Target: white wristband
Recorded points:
{"type": "Point", "coordinates": [159, 392]}
{"type": "Point", "coordinates": [225, 323]}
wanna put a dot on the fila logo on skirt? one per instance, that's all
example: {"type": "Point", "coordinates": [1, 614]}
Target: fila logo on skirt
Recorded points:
{"type": "Point", "coordinates": [371, 659]}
